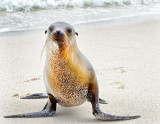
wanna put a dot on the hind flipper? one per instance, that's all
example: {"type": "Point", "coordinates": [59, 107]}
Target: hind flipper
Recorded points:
{"type": "Point", "coordinates": [36, 96]}
{"type": "Point", "coordinates": [48, 110]}
{"type": "Point", "coordinates": [94, 98]}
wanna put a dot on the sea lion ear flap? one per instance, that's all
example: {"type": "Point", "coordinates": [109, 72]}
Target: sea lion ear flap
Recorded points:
{"type": "Point", "coordinates": [76, 33]}
{"type": "Point", "coordinates": [45, 31]}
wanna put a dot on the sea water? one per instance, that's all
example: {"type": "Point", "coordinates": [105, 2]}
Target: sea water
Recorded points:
{"type": "Point", "coordinates": [31, 14]}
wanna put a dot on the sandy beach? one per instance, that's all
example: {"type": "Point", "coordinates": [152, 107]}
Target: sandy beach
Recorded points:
{"type": "Point", "coordinates": [126, 59]}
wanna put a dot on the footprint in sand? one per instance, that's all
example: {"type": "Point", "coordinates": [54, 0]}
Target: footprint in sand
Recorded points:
{"type": "Point", "coordinates": [16, 95]}
{"type": "Point", "coordinates": [122, 69]}
{"type": "Point", "coordinates": [33, 79]}
{"type": "Point", "coordinates": [120, 85]}
{"type": "Point", "coordinates": [119, 69]}
{"type": "Point", "coordinates": [26, 81]}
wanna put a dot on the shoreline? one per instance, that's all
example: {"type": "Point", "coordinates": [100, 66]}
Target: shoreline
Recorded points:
{"type": "Point", "coordinates": [118, 20]}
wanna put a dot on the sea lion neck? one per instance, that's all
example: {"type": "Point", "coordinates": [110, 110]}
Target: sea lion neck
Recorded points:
{"type": "Point", "coordinates": [63, 52]}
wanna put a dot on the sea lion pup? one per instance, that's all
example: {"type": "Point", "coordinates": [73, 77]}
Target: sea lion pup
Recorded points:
{"type": "Point", "coordinates": [69, 77]}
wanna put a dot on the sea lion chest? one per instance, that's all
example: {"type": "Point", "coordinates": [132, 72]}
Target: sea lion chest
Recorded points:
{"type": "Point", "coordinates": [66, 80]}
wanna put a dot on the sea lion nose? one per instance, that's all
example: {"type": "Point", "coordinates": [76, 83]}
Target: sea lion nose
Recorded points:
{"type": "Point", "coordinates": [58, 32]}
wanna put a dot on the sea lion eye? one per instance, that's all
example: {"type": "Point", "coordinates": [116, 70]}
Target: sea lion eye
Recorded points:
{"type": "Point", "coordinates": [51, 28]}
{"type": "Point", "coordinates": [69, 30]}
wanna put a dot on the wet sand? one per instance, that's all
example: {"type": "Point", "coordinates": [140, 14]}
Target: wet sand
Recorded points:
{"type": "Point", "coordinates": [126, 59]}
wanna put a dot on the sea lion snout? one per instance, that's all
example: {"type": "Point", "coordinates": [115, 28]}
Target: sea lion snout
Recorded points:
{"type": "Point", "coordinates": [58, 34]}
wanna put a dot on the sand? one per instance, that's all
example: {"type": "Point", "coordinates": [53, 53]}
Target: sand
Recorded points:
{"type": "Point", "coordinates": [126, 59]}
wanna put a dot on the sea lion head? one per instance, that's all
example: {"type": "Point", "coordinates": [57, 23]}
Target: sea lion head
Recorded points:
{"type": "Point", "coordinates": [61, 33]}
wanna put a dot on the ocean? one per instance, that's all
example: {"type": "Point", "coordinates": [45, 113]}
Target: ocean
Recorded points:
{"type": "Point", "coordinates": [18, 15]}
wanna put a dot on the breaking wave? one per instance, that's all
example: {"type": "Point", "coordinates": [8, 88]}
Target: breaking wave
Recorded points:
{"type": "Point", "coordinates": [29, 5]}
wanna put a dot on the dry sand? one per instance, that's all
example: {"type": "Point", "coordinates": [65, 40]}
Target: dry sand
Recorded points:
{"type": "Point", "coordinates": [125, 56]}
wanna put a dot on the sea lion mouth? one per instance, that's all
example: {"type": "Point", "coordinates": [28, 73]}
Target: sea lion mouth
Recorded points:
{"type": "Point", "coordinates": [58, 34]}
{"type": "Point", "coordinates": [58, 37]}
{"type": "Point", "coordinates": [58, 40]}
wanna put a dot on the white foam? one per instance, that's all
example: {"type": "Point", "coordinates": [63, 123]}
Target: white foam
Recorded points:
{"type": "Point", "coordinates": [26, 19]}
{"type": "Point", "coordinates": [16, 5]}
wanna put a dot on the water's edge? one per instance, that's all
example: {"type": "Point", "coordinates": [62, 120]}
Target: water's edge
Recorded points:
{"type": "Point", "coordinates": [30, 14]}
{"type": "Point", "coordinates": [110, 21]}
{"type": "Point", "coordinates": [32, 5]}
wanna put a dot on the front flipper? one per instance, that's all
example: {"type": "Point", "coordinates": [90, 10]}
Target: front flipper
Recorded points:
{"type": "Point", "coordinates": [94, 98]}
{"type": "Point", "coordinates": [48, 110]}
{"type": "Point", "coordinates": [43, 113]}
{"type": "Point", "coordinates": [36, 96]}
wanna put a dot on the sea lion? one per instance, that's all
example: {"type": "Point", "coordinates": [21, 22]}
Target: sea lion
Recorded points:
{"type": "Point", "coordinates": [69, 77]}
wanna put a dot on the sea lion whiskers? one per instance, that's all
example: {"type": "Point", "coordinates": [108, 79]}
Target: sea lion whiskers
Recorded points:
{"type": "Point", "coordinates": [42, 51]}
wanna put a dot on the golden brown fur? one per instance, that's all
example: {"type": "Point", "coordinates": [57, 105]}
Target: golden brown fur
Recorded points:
{"type": "Point", "coordinates": [67, 73]}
